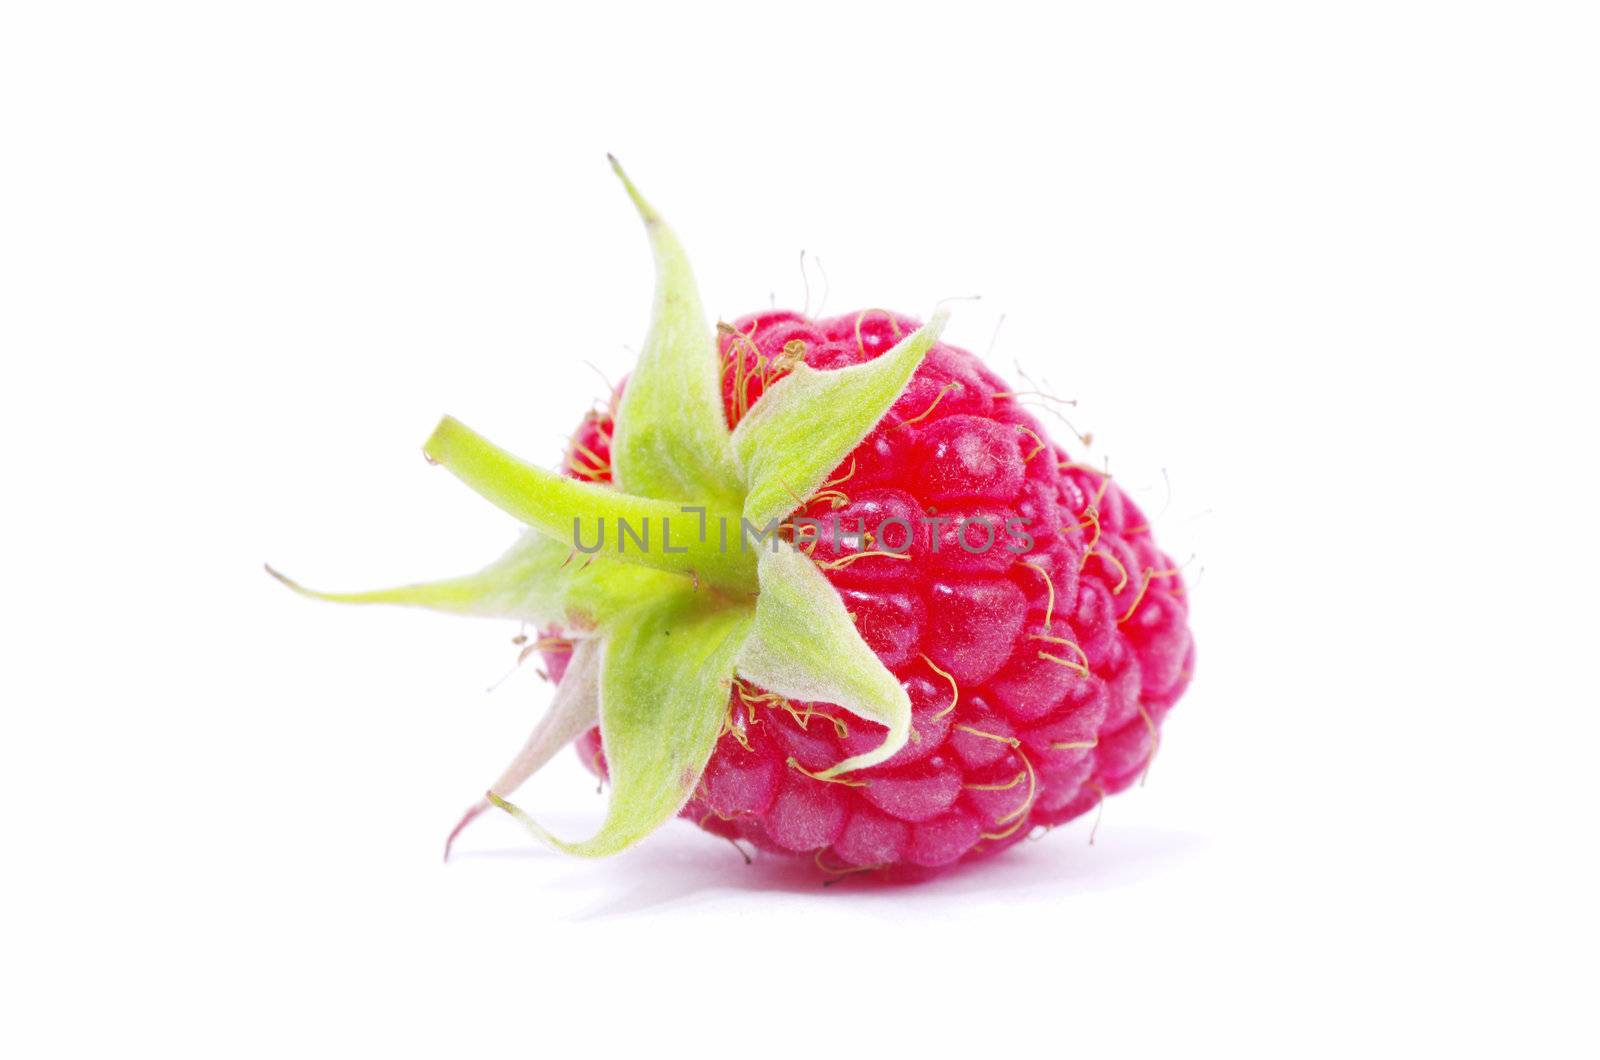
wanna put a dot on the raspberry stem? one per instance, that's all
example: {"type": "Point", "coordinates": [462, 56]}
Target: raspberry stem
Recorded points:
{"type": "Point", "coordinates": [562, 508]}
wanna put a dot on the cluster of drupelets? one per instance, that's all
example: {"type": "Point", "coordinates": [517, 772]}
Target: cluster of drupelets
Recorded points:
{"type": "Point", "coordinates": [1001, 785]}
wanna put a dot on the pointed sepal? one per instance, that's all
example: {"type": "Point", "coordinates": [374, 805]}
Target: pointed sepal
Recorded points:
{"type": "Point", "coordinates": [809, 421]}
{"type": "Point", "coordinates": [538, 580]}
{"type": "Point", "coordinates": [804, 645]}
{"type": "Point", "coordinates": [575, 708]}
{"type": "Point", "coordinates": [671, 439]}
{"type": "Point", "coordinates": [665, 675]}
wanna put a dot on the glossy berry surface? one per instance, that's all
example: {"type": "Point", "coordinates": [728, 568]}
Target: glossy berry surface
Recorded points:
{"type": "Point", "coordinates": [1017, 595]}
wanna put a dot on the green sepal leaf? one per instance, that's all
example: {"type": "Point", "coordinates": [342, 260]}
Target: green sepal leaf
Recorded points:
{"type": "Point", "coordinates": [550, 503]}
{"type": "Point", "coordinates": [805, 646]}
{"type": "Point", "coordinates": [809, 421]}
{"type": "Point", "coordinates": [665, 674]}
{"type": "Point", "coordinates": [538, 580]}
{"type": "Point", "coordinates": [671, 436]}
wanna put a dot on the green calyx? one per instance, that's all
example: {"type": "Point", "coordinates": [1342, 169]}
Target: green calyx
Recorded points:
{"type": "Point", "coordinates": [673, 581]}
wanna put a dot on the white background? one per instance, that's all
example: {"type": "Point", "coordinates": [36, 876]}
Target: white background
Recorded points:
{"type": "Point", "coordinates": [1322, 279]}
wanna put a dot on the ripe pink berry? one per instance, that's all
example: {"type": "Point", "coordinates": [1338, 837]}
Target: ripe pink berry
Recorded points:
{"type": "Point", "coordinates": [1038, 675]}
{"type": "Point", "coordinates": [956, 636]}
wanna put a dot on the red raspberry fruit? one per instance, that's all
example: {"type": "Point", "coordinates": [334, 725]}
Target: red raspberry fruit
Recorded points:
{"type": "Point", "coordinates": [946, 634]}
{"type": "Point", "coordinates": [1038, 677]}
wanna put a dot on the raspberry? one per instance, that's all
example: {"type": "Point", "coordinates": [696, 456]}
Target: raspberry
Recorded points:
{"type": "Point", "coordinates": [1038, 676]}
{"type": "Point", "coordinates": [956, 636]}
